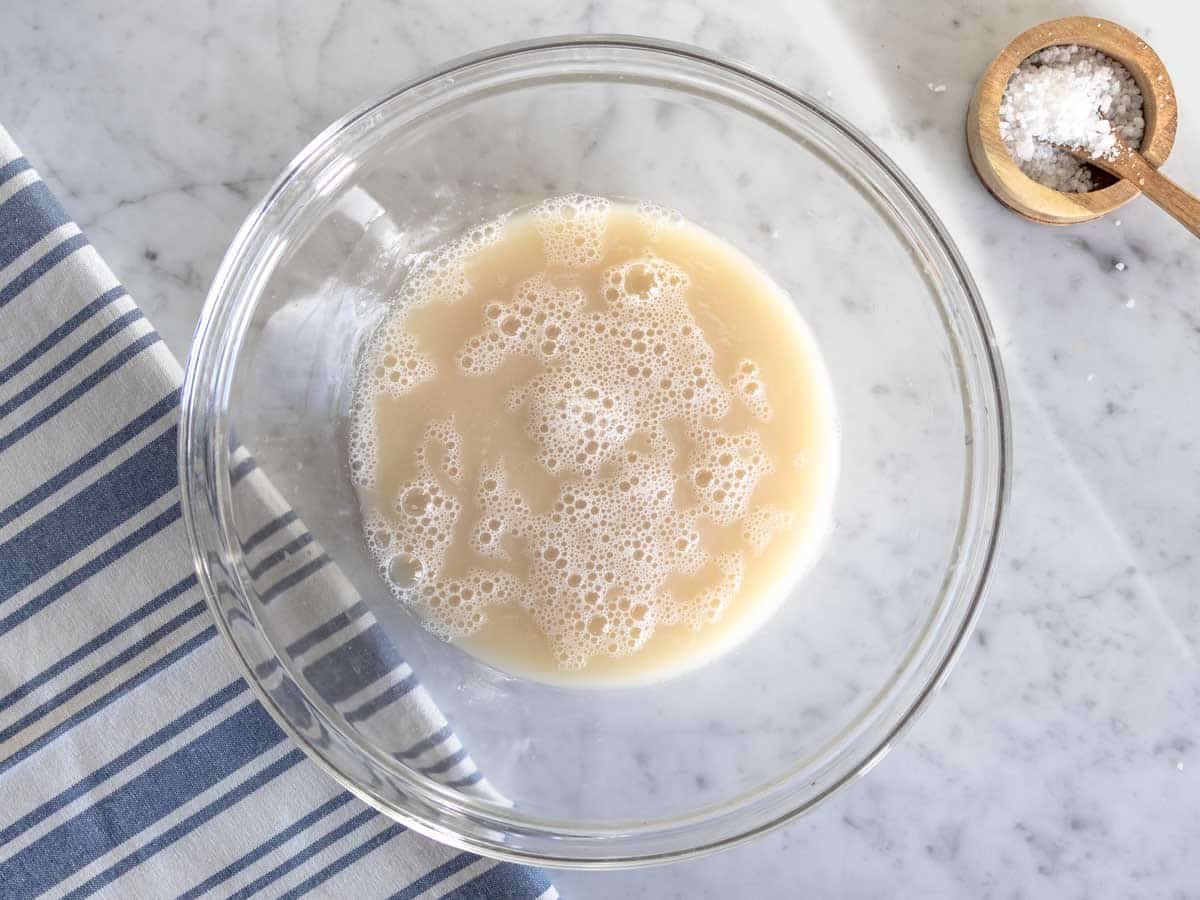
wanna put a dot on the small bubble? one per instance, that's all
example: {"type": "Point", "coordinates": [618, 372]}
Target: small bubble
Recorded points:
{"type": "Point", "coordinates": [404, 571]}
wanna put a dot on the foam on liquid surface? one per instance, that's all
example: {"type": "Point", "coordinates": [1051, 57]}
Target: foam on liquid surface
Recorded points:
{"type": "Point", "coordinates": [586, 439]}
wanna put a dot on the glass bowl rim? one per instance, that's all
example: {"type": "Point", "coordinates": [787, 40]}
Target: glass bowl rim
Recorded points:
{"type": "Point", "coordinates": [438, 812]}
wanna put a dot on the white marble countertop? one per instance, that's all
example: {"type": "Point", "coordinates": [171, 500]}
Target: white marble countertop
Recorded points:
{"type": "Point", "coordinates": [1061, 758]}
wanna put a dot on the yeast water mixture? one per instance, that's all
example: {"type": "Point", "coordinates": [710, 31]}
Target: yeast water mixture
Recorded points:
{"type": "Point", "coordinates": [593, 443]}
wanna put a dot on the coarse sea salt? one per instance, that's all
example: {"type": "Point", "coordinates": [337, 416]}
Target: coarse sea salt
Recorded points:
{"type": "Point", "coordinates": [1073, 96]}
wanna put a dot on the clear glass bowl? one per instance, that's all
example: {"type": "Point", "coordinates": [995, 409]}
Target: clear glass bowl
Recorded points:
{"type": "Point", "coordinates": [816, 696]}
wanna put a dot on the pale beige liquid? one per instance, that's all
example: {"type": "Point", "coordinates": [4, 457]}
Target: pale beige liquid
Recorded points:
{"type": "Point", "coordinates": [593, 443]}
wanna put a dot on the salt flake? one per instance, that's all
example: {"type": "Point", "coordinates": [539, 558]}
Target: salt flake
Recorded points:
{"type": "Point", "coordinates": [1073, 96]}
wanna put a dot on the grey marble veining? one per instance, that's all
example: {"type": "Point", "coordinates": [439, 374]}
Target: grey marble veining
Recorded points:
{"type": "Point", "coordinates": [1061, 757]}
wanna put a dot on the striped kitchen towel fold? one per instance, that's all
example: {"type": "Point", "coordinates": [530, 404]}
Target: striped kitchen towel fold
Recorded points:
{"type": "Point", "coordinates": [134, 761]}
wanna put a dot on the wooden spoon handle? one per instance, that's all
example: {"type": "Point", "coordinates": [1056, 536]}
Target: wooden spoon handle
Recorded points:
{"type": "Point", "coordinates": [1133, 167]}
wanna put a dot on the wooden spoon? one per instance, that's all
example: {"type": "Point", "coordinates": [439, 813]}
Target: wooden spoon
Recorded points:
{"type": "Point", "coordinates": [1130, 165]}
{"type": "Point", "coordinates": [991, 158]}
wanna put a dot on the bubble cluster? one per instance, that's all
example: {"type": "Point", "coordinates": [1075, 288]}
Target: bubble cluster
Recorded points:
{"type": "Point", "coordinates": [500, 508]}
{"type": "Point", "coordinates": [747, 385]}
{"type": "Point", "coordinates": [616, 366]}
{"type": "Point", "coordinates": [724, 469]}
{"type": "Point", "coordinates": [363, 446]}
{"type": "Point", "coordinates": [713, 600]}
{"type": "Point", "coordinates": [597, 559]}
{"type": "Point", "coordinates": [393, 366]}
{"type": "Point", "coordinates": [440, 275]}
{"type": "Point", "coordinates": [655, 219]}
{"type": "Point", "coordinates": [454, 607]}
{"type": "Point", "coordinates": [537, 322]}
{"type": "Point", "coordinates": [393, 363]}
{"type": "Point", "coordinates": [607, 374]}
{"type": "Point", "coordinates": [399, 365]}
{"type": "Point", "coordinates": [572, 229]}
{"type": "Point", "coordinates": [599, 556]}
{"type": "Point", "coordinates": [761, 525]}
{"type": "Point", "coordinates": [410, 546]}
{"type": "Point", "coordinates": [442, 432]}
{"type": "Point", "coordinates": [425, 515]}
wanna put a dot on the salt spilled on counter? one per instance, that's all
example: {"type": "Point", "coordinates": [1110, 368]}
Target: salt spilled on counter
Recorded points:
{"type": "Point", "coordinates": [1073, 96]}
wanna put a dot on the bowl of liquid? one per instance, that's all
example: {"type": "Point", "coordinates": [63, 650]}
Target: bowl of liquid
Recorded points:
{"type": "Point", "coordinates": [643, 405]}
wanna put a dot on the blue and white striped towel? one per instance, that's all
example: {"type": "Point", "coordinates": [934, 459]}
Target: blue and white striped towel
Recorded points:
{"type": "Point", "coordinates": [134, 761]}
